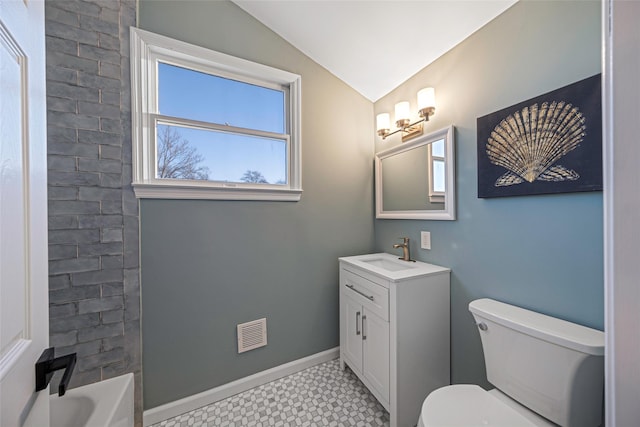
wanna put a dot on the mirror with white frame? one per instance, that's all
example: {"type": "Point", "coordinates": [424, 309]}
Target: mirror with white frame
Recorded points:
{"type": "Point", "coordinates": [416, 180]}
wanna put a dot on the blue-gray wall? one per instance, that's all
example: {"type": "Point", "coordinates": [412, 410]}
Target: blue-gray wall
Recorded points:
{"type": "Point", "coordinates": [209, 265]}
{"type": "Point", "coordinates": [540, 252]}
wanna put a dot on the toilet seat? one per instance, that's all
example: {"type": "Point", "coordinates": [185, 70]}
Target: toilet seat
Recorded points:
{"type": "Point", "coordinates": [468, 405]}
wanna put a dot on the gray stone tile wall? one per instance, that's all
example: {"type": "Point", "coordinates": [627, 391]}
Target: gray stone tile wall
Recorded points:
{"type": "Point", "coordinates": [94, 286]}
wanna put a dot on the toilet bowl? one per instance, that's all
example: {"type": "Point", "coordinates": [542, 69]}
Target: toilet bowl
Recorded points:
{"type": "Point", "coordinates": [547, 372]}
{"type": "Point", "coordinates": [467, 405]}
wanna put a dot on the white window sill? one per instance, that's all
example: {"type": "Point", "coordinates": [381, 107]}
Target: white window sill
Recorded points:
{"type": "Point", "coordinates": [173, 191]}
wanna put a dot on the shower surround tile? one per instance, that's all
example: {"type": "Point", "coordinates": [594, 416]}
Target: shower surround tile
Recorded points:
{"type": "Point", "coordinates": [323, 395]}
{"type": "Point", "coordinates": [94, 293]}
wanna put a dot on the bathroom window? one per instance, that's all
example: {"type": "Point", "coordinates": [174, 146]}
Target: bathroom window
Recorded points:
{"type": "Point", "coordinates": [211, 126]}
{"type": "Point", "coordinates": [437, 172]}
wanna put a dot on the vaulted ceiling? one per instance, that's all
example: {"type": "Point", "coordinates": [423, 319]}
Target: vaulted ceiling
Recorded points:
{"type": "Point", "coordinates": [374, 45]}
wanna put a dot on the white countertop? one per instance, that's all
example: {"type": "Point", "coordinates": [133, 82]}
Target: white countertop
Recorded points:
{"type": "Point", "coordinates": [405, 269]}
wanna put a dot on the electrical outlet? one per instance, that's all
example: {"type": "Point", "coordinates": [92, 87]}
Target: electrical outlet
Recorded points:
{"type": "Point", "coordinates": [425, 240]}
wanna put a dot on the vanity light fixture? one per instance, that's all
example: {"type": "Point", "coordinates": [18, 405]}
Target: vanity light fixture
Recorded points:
{"type": "Point", "coordinates": [426, 109]}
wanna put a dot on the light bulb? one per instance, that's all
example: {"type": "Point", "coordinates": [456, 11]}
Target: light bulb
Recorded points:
{"type": "Point", "coordinates": [403, 112]}
{"type": "Point", "coordinates": [426, 98]}
{"type": "Point", "coordinates": [383, 121]}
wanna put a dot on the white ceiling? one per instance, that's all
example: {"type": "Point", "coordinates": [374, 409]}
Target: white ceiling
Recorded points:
{"type": "Point", "coordinates": [374, 45]}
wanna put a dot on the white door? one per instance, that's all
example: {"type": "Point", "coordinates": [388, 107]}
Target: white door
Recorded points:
{"type": "Point", "coordinates": [375, 365]}
{"type": "Point", "coordinates": [24, 314]}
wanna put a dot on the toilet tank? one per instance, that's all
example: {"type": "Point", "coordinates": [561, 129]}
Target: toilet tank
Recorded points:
{"type": "Point", "coordinates": [551, 366]}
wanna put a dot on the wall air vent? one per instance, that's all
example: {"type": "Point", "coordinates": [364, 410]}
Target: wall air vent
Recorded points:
{"type": "Point", "coordinates": [252, 335]}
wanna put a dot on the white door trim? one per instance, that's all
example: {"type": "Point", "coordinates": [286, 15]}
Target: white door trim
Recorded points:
{"type": "Point", "coordinates": [621, 204]}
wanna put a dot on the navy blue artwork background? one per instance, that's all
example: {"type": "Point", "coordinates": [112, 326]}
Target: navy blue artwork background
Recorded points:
{"type": "Point", "coordinates": [585, 159]}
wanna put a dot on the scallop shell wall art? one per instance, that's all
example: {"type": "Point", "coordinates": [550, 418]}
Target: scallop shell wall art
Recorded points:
{"type": "Point", "coordinates": [548, 144]}
{"type": "Point", "coordinates": [530, 141]}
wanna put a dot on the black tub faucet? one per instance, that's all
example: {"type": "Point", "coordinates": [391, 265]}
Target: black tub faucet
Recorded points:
{"type": "Point", "coordinates": [47, 364]}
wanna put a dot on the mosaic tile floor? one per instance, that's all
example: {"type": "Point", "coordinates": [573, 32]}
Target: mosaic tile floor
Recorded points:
{"type": "Point", "coordinates": [322, 395]}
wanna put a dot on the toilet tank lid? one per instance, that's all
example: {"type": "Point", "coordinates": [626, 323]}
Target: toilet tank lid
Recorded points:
{"type": "Point", "coordinates": [551, 329]}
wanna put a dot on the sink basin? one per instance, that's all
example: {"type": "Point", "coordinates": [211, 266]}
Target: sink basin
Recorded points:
{"type": "Point", "coordinates": [389, 267]}
{"type": "Point", "coordinates": [107, 403]}
{"type": "Point", "coordinates": [388, 264]}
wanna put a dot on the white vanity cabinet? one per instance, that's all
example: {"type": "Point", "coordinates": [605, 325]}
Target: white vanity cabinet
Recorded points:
{"type": "Point", "coordinates": [394, 330]}
{"type": "Point", "coordinates": [365, 317]}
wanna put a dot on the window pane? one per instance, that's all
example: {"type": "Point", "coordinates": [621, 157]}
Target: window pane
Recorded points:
{"type": "Point", "coordinates": [437, 148]}
{"type": "Point", "coordinates": [186, 153]}
{"type": "Point", "coordinates": [199, 96]}
{"type": "Point", "coordinates": [438, 176]}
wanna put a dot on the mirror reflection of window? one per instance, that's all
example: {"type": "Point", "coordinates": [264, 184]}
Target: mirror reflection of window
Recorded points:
{"type": "Point", "coordinates": [436, 172]}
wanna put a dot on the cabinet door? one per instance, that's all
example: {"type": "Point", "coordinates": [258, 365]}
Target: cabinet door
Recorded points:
{"type": "Point", "coordinates": [375, 338]}
{"type": "Point", "coordinates": [352, 328]}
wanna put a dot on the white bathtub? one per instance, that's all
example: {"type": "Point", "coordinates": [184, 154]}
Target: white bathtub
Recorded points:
{"type": "Point", "coordinates": [107, 403]}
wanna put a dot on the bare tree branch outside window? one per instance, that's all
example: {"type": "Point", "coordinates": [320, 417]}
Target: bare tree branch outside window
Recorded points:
{"type": "Point", "coordinates": [177, 158]}
{"type": "Point", "coordinates": [253, 176]}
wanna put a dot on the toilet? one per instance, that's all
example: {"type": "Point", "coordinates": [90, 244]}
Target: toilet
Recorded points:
{"type": "Point", "coordinates": [547, 372]}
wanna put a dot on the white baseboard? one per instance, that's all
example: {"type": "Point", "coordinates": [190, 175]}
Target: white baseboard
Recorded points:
{"type": "Point", "coordinates": [178, 407]}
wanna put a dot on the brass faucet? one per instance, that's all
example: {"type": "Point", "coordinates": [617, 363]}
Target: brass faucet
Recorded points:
{"type": "Point", "coordinates": [406, 251]}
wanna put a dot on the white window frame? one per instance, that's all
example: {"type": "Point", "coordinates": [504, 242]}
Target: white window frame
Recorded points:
{"type": "Point", "coordinates": [147, 49]}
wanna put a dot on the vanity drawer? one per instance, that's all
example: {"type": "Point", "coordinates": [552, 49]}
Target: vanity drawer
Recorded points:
{"type": "Point", "coordinates": [373, 297]}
